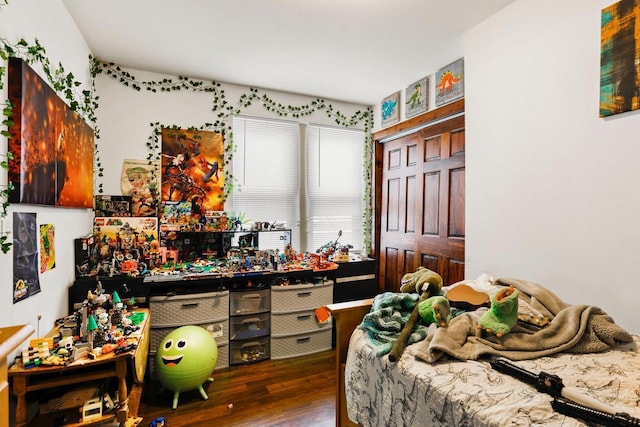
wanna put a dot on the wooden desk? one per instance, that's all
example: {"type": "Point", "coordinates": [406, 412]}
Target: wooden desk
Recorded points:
{"type": "Point", "coordinates": [10, 338]}
{"type": "Point", "coordinates": [85, 370]}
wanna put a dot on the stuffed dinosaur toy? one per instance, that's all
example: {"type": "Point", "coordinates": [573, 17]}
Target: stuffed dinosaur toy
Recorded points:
{"type": "Point", "coordinates": [416, 281]}
{"type": "Point", "coordinates": [503, 314]}
{"type": "Point", "coordinates": [435, 310]}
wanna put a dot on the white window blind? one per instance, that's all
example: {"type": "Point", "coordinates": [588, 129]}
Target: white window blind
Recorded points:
{"type": "Point", "coordinates": [265, 167]}
{"type": "Point", "coordinates": [334, 185]}
{"type": "Point", "coordinates": [268, 164]}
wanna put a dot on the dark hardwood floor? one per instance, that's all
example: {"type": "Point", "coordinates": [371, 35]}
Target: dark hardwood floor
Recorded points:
{"type": "Point", "coordinates": [291, 392]}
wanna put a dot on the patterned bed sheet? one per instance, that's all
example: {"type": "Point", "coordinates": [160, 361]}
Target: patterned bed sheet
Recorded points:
{"type": "Point", "coordinates": [457, 393]}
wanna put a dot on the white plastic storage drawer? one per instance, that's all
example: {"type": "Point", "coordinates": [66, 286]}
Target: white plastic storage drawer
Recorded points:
{"type": "Point", "coordinates": [248, 302]}
{"type": "Point", "coordinates": [218, 330]}
{"type": "Point", "coordinates": [243, 352]}
{"type": "Point", "coordinates": [250, 326]}
{"type": "Point", "coordinates": [296, 322]}
{"type": "Point", "coordinates": [300, 297]}
{"type": "Point", "coordinates": [300, 344]}
{"type": "Point", "coordinates": [181, 310]}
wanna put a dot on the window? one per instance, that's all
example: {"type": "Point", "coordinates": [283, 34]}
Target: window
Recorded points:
{"type": "Point", "coordinates": [265, 167]}
{"type": "Point", "coordinates": [315, 187]}
{"type": "Point", "coordinates": [334, 185]}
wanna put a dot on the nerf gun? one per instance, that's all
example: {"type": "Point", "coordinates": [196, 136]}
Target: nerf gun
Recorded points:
{"type": "Point", "coordinates": [567, 400]}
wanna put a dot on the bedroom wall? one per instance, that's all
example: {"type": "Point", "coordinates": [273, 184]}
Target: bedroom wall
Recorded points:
{"type": "Point", "coordinates": [551, 187]}
{"type": "Point", "coordinates": [55, 30]}
{"type": "Point", "coordinates": [125, 115]}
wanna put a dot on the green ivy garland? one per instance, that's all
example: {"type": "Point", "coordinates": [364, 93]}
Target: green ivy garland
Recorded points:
{"type": "Point", "coordinates": [225, 111]}
{"type": "Point", "coordinates": [86, 104]}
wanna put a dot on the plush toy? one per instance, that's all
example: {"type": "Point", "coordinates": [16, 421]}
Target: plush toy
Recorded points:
{"type": "Point", "coordinates": [416, 281]}
{"type": "Point", "coordinates": [435, 310]}
{"type": "Point", "coordinates": [503, 314]}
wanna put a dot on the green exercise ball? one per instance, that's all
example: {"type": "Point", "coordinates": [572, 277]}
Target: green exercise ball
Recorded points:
{"type": "Point", "coordinates": [185, 358]}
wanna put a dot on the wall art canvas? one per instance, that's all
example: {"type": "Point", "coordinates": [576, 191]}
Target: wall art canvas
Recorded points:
{"type": "Point", "coordinates": [26, 281]}
{"type": "Point", "coordinates": [390, 109]}
{"type": "Point", "coordinates": [619, 50]}
{"type": "Point", "coordinates": [416, 98]}
{"type": "Point", "coordinates": [53, 146]}
{"type": "Point", "coordinates": [449, 83]}
{"type": "Point", "coordinates": [192, 169]}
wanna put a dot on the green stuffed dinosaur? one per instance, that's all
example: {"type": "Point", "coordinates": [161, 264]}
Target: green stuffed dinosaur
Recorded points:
{"type": "Point", "coordinates": [435, 310]}
{"type": "Point", "coordinates": [503, 314]}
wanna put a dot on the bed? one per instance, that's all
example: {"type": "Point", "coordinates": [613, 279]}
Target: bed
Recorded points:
{"type": "Point", "coordinates": [433, 388]}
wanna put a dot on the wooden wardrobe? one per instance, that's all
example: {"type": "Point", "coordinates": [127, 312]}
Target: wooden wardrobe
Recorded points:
{"type": "Point", "coordinates": [420, 196]}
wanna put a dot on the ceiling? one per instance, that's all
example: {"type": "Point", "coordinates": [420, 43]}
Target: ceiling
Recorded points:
{"type": "Point", "coordinates": [351, 50]}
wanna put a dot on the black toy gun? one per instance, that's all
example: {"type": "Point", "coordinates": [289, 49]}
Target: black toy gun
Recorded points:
{"type": "Point", "coordinates": [567, 400]}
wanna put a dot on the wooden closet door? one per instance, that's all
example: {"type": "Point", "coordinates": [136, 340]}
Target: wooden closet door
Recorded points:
{"type": "Point", "coordinates": [422, 202]}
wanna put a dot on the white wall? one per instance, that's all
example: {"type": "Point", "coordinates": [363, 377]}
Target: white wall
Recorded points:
{"type": "Point", "coordinates": [551, 187]}
{"type": "Point", "coordinates": [48, 22]}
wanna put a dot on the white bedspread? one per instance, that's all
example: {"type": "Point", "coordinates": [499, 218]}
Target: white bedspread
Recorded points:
{"type": "Point", "coordinates": [457, 393]}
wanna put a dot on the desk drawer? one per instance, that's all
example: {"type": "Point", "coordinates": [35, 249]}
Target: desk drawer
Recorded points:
{"type": "Point", "coordinates": [180, 310]}
{"type": "Point", "coordinates": [300, 297]}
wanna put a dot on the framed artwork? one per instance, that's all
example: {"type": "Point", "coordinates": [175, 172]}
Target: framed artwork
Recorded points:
{"type": "Point", "coordinates": [191, 169]}
{"type": "Point", "coordinates": [53, 146]}
{"type": "Point", "coordinates": [416, 98]}
{"type": "Point", "coordinates": [619, 41]}
{"type": "Point", "coordinates": [390, 107]}
{"type": "Point", "coordinates": [450, 83]}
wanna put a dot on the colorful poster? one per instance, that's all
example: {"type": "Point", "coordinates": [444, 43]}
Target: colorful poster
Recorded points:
{"type": "Point", "coordinates": [25, 256]}
{"type": "Point", "coordinates": [140, 180]}
{"type": "Point", "coordinates": [192, 169]}
{"type": "Point", "coordinates": [47, 247]}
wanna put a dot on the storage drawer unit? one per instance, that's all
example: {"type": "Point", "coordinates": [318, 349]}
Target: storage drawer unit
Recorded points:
{"type": "Point", "coordinates": [294, 328]}
{"type": "Point", "coordinates": [300, 297]}
{"type": "Point", "coordinates": [180, 310]}
{"type": "Point", "coordinates": [250, 326]}
{"type": "Point", "coordinates": [283, 347]}
{"type": "Point", "coordinates": [243, 352]}
{"type": "Point", "coordinates": [209, 310]}
{"type": "Point", "coordinates": [249, 302]}
{"type": "Point", "coordinates": [296, 322]}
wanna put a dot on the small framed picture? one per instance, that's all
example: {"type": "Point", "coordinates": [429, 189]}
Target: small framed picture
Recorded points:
{"type": "Point", "coordinates": [450, 83]}
{"type": "Point", "coordinates": [390, 107]}
{"type": "Point", "coordinates": [416, 97]}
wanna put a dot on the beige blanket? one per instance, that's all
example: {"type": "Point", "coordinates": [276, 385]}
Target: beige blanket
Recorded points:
{"type": "Point", "coordinates": [572, 328]}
